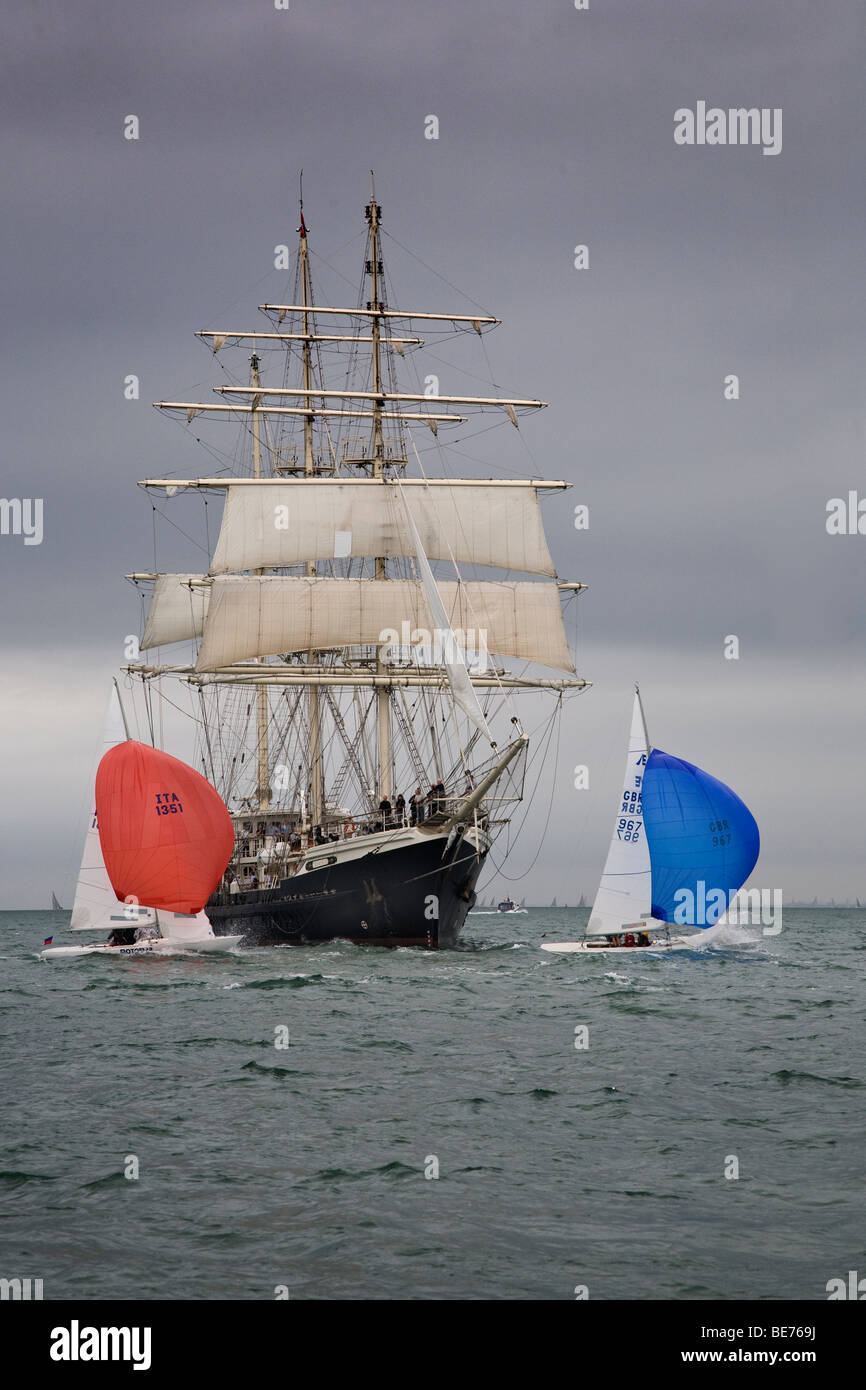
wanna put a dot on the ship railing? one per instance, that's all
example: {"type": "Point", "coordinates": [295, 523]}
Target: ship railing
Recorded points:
{"type": "Point", "coordinates": [260, 861]}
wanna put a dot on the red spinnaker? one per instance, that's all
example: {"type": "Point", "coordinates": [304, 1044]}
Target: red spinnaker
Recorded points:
{"type": "Point", "coordinates": [166, 835]}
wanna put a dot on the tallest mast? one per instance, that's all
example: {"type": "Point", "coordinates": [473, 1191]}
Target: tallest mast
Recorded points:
{"type": "Point", "coordinates": [317, 779]}
{"type": "Point", "coordinates": [374, 270]}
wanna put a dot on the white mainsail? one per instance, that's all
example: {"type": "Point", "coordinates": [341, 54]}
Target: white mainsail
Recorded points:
{"type": "Point", "coordinates": [624, 895]}
{"type": "Point", "coordinates": [96, 906]}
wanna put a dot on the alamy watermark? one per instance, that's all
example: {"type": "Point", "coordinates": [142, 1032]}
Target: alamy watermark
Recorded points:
{"type": "Point", "coordinates": [77, 1343]}
{"type": "Point", "coordinates": [737, 126]}
{"type": "Point", "coordinates": [20, 1290]}
{"type": "Point", "coordinates": [744, 907]}
{"type": "Point", "coordinates": [854, 1288]}
{"type": "Point", "coordinates": [846, 516]}
{"type": "Point", "coordinates": [22, 516]}
{"type": "Point", "coordinates": [437, 647]}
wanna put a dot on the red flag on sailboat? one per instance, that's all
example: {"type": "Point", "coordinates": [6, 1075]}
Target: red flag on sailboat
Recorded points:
{"type": "Point", "coordinates": [165, 833]}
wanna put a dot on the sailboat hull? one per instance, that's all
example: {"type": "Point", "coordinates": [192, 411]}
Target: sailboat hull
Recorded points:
{"type": "Point", "coordinates": [416, 891]}
{"type": "Point", "coordinates": [695, 941]}
{"type": "Point", "coordinates": [597, 949]}
{"type": "Point", "coordinates": [161, 946]}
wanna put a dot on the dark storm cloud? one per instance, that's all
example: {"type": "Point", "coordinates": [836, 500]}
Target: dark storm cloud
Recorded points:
{"type": "Point", "coordinates": [556, 128]}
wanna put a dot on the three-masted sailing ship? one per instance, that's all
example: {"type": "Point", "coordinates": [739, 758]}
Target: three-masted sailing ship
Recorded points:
{"type": "Point", "coordinates": [347, 699]}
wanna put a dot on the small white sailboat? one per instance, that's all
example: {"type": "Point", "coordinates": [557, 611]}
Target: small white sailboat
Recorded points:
{"type": "Point", "coordinates": [171, 944]}
{"type": "Point", "coordinates": [677, 830]}
{"type": "Point", "coordinates": [134, 930]}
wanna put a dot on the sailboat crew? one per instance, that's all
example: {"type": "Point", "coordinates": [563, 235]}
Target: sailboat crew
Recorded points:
{"type": "Point", "coordinates": [122, 936]}
{"type": "Point", "coordinates": [629, 940]}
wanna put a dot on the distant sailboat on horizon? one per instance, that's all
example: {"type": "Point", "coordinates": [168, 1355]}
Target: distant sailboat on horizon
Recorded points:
{"type": "Point", "coordinates": [58, 907]}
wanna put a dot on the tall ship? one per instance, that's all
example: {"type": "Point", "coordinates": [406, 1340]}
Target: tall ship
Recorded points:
{"type": "Point", "coordinates": [372, 622]}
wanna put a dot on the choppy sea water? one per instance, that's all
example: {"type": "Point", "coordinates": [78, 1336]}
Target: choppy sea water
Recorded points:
{"type": "Point", "coordinates": [304, 1166]}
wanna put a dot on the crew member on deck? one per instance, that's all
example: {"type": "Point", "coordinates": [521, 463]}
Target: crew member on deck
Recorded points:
{"type": "Point", "coordinates": [122, 936]}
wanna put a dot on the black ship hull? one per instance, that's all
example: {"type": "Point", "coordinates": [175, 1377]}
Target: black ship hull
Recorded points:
{"type": "Point", "coordinates": [407, 894]}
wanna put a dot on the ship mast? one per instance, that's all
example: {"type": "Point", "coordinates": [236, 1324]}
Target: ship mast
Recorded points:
{"type": "Point", "coordinates": [374, 268]}
{"type": "Point", "coordinates": [264, 778]}
{"type": "Point", "coordinates": [317, 780]}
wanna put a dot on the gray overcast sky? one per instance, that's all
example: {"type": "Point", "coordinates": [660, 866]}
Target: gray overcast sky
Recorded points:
{"type": "Point", "coordinates": [556, 128]}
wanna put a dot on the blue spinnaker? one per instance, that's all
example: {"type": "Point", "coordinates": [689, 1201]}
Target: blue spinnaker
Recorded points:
{"type": "Point", "coordinates": [702, 840]}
